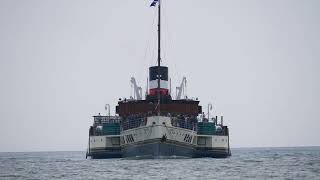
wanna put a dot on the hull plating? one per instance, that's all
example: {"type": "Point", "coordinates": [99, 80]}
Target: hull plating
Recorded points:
{"type": "Point", "coordinates": [158, 149]}
{"type": "Point", "coordinates": [105, 153]}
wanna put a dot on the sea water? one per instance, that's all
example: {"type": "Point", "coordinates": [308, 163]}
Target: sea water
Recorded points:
{"type": "Point", "coordinates": [245, 163]}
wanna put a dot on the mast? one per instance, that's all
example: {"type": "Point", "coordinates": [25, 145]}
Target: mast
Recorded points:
{"type": "Point", "coordinates": [159, 51]}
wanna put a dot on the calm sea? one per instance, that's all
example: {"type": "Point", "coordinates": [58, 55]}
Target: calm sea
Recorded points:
{"type": "Point", "coordinates": [245, 163]}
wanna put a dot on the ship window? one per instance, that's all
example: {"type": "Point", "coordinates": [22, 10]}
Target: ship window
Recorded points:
{"type": "Point", "coordinates": [187, 138]}
{"type": "Point", "coordinates": [222, 139]}
{"type": "Point", "coordinates": [164, 123]}
{"type": "Point", "coordinates": [129, 138]}
{"type": "Point", "coordinates": [153, 122]}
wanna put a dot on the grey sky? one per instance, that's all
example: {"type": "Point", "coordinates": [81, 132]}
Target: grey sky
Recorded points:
{"type": "Point", "coordinates": [257, 61]}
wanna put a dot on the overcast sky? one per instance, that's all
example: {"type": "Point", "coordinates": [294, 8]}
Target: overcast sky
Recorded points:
{"type": "Point", "coordinates": [256, 61]}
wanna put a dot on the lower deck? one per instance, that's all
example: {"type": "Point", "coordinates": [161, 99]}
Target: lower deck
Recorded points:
{"type": "Point", "coordinates": [158, 148]}
{"type": "Point", "coordinates": [159, 138]}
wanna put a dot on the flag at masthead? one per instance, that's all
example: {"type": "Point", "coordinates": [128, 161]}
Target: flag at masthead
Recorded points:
{"type": "Point", "coordinates": [154, 3]}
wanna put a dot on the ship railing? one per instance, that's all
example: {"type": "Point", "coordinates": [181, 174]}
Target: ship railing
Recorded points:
{"type": "Point", "coordinates": [131, 123]}
{"type": "Point", "coordinates": [181, 121]}
{"type": "Point", "coordinates": [185, 122]}
{"type": "Point", "coordinates": [106, 119]}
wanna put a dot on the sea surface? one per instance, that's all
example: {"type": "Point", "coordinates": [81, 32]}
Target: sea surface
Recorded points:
{"type": "Point", "coordinates": [245, 163]}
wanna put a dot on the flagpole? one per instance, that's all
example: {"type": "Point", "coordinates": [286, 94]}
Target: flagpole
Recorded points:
{"type": "Point", "coordinates": [159, 51]}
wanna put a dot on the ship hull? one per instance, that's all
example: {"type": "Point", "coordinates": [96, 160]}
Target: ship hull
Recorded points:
{"type": "Point", "coordinates": [212, 152]}
{"type": "Point", "coordinates": [104, 147]}
{"type": "Point", "coordinates": [159, 139]}
{"type": "Point", "coordinates": [158, 149]}
{"type": "Point", "coordinates": [105, 153]}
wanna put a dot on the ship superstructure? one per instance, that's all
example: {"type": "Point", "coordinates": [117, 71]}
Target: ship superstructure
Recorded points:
{"type": "Point", "coordinates": [158, 125]}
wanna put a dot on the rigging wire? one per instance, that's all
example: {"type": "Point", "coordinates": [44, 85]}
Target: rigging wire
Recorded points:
{"type": "Point", "coordinates": [147, 51]}
{"type": "Point", "coordinates": [176, 76]}
{"type": "Point", "coordinates": [169, 47]}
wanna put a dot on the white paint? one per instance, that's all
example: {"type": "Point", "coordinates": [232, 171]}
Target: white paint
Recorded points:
{"type": "Point", "coordinates": [159, 120]}
{"type": "Point", "coordinates": [97, 142]}
{"type": "Point", "coordinates": [155, 129]}
{"type": "Point", "coordinates": [154, 84]}
{"type": "Point", "coordinates": [103, 141]}
{"type": "Point", "coordinates": [212, 141]}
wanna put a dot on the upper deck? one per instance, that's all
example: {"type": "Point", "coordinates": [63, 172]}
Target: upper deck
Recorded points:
{"type": "Point", "coordinates": [127, 108]}
{"type": "Point", "coordinates": [99, 120]}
